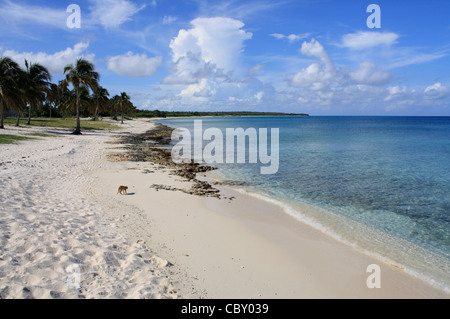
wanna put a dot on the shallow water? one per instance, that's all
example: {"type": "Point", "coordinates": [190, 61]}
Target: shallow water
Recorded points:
{"type": "Point", "coordinates": [379, 183]}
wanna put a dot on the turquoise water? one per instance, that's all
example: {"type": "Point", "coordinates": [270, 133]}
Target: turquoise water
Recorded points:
{"type": "Point", "coordinates": [381, 184]}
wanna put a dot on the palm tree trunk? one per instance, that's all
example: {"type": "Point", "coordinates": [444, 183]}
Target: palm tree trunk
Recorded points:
{"type": "Point", "coordinates": [18, 118]}
{"type": "Point", "coordinates": [29, 116]}
{"type": "Point", "coordinates": [96, 112]}
{"type": "Point", "coordinates": [50, 110]}
{"type": "Point", "coordinates": [122, 115]}
{"type": "Point", "coordinates": [78, 129]}
{"type": "Point", "coordinates": [1, 113]}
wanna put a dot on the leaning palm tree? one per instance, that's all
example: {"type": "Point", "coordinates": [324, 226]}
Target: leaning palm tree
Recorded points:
{"type": "Point", "coordinates": [81, 74]}
{"type": "Point", "coordinates": [121, 102]}
{"type": "Point", "coordinates": [21, 102]}
{"type": "Point", "coordinates": [37, 82]}
{"type": "Point", "coordinates": [100, 97]}
{"type": "Point", "coordinates": [9, 95]}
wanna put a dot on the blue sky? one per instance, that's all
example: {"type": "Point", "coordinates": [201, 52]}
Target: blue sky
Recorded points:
{"type": "Point", "coordinates": [313, 56]}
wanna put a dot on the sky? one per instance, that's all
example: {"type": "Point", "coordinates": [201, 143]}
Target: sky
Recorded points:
{"type": "Point", "coordinates": [321, 57]}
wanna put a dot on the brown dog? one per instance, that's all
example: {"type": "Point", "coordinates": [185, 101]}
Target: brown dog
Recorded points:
{"type": "Point", "coordinates": [122, 190]}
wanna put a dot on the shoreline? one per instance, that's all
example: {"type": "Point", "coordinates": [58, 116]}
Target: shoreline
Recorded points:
{"type": "Point", "coordinates": [297, 214]}
{"type": "Point", "coordinates": [400, 285]}
{"type": "Point", "coordinates": [165, 242]}
{"type": "Point", "coordinates": [345, 234]}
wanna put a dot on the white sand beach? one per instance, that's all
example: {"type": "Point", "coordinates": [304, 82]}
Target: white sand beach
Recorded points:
{"type": "Point", "coordinates": [60, 211]}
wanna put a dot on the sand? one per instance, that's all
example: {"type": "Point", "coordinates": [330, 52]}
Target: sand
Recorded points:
{"type": "Point", "coordinates": [61, 218]}
{"type": "Point", "coordinates": [52, 232]}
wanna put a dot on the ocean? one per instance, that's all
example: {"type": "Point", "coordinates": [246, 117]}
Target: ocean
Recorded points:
{"type": "Point", "coordinates": [380, 184]}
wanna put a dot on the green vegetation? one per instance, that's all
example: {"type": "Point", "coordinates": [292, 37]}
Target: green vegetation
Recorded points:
{"type": "Point", "coordinates": [31, 92]}
{"type": "Point", "coordinates": [40, 134]}
{"type": "Point", "coordinates": [35, 82]}
{"type": "Point", "coordinates": [80, 75]}
{"type": "Point", "coordinates": [163, 114]}
{"type": "Point", "coordinates": [68, 123]}
{"type": "Point", "coordinates": [12, 139]}
{"type": "Point", "coordinates": [121, 103]}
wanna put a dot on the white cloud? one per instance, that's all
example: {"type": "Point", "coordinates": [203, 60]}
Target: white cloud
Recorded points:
{"type": "Point", "coordinates": [238, 9]}
{"type": "Point", "coordinates": [315, 49]}
{"type": "Point", "coordinates": [322, 75]}
{"type": "Point", "coordinates": [113, 13]}
{"type": "Point", "coordinates": [278, 36]}
{"type": "Point", "coordinates": [291, 37]}
{"type": "Point", "coordinates": [55, 62]}
{"type": "Point", "coordinates": [28, 14]}
{"type": "Point", "coordinates": [169, 19]}
{"type": "Point", "coordinates": [395, 92]}
{"type": "Point", "coordinates": [317, 75]}
{"type": "Point", "coordinates": [416, 58]}
{"type": "Point", "coordinates": [369, 74]}
{"type": "Point", "coordinates": [108, 13]}
{"type": "Point", "coordinates": [217, 41]}
{"type": "Point", "coordinates": [134, 65]}
{"type": "Point", "coordinates": [208, 67]}
{"type": "Point", "coordinates": [323, 85]}
{"type": "Point", "coordinates": [436, 91]}
{"type": "Point", "coordinates": [208, 72]}
{"type": "Point", "coordinates": [367, 39]}
{"type": "Point", "coordinates": [256, 69]}
{"type": "Point", "coordinates": [201, 90]}
{"type": "Point", "coordinates": [259, 96]}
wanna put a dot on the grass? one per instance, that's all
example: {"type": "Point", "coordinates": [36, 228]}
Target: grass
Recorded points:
{"type": "Point", "coordinates": [41, 134]}
{"type": "Point", "coordinates": [13, 139]}
{"type": "Point", "coordinates": [69, 123]}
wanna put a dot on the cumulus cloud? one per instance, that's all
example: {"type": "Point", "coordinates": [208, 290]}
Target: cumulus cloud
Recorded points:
{"type": "Point", "coordinates": [259, 96]}
{"type": "Point", "coordinates": [200, 90]}
{"type": "Point", "coordinates": [369, 74]}
{"type": "Point", "coordinates": [436, 91]}
{"type": "Point", "coordinates": [113, 13]}
{"type": "Point", "coordinates": [323, 84]}
{"type": "Point", "coordinates": [368, 39]}
{"type": "Point", "coordinates": [315, 49]}
{"type": "Point", "coordinates": [55, 62]}
{"type": "Point", "coordinates": [207, 66]}
{"type": "Point", "coordinates": [317, 75]}
{"type": "Point", "coordinates": [208, 72]}
{"type": "Point", "coordinates": [323, 74]}
{"type": "Point", "coordinates": [134, 65]}
{"type": "Point", "coordinates": [395, 92]}
{"type": "Point", "coordinates": [214, 41]}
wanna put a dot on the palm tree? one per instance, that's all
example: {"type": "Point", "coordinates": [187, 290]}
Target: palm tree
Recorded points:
{"type": "Point", "coordinates": [9, 95]}
{"type": "Point", "coordinates": [121, 102]}
{"type": "Point", "coordinates": [22, 86]}
{"type": "Point", "coordinates": [52, 96]}
{"type": "Point", "coordinates": [100, 97]}
{"type": "Point", "coordinates": [81, 74]}
{"type": "Point", "coordinates": [83, 100]}
{"type": "Point", "coordinates": [37, 82]}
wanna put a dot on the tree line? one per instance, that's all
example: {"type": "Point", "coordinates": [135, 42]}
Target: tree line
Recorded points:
{"type": "Point", "coordinates": [164, 114]}
{"type": "Point", "coordinates": [30, 92]}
